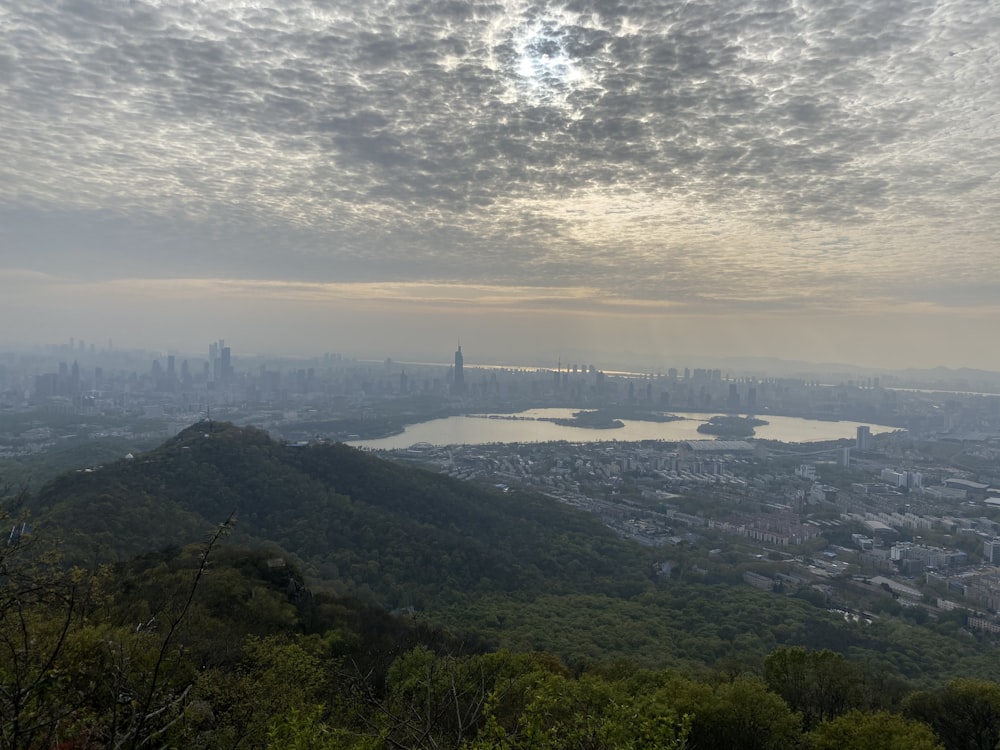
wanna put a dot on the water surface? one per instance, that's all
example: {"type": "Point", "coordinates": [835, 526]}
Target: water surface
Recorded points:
{"type": "Point", "coordinates": [526, 428]}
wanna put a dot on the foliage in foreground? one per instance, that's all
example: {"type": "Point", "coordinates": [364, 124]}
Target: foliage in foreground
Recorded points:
{"type": "Point", "coordinates": [212, 646]}
{"type": "Point", "coordinates": [222, 646]}
{"type": "Point", "coordinates": [517, 569]}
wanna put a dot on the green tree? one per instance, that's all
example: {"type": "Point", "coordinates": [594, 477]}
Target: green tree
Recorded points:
{"type": "Point", "coordinates": [68, 676]}
{"type": "Point", "coordinates": [743, 715]}
{"type": "Point", "coordinates": [819, 685]}
{"type": "Point", "coordinates": [39, 605]}
{"type": "Point", "coordinates": [857, 730]}
{"type": "Point", "coordinates": [305, 728]}
{"type": "Point", "coordinates": [965, 714]}
{"type": "Point", "coordinates": [589, 713]}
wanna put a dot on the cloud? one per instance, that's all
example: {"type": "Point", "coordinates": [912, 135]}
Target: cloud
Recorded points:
{"type": "Point", "coordinates": [770, 153]}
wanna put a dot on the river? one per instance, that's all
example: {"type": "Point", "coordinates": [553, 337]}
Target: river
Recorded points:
{"type": "Point", "coordinates": [526, 428]}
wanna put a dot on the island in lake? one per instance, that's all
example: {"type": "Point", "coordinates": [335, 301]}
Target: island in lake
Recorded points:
{"type": "Point", "coordinates": [639, 414]}
{"type": "Point", "coordinates": [593, 420]}
{"type": "Point", "coordinates": [731, 427]}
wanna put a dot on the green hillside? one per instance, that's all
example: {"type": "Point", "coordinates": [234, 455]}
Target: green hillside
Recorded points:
{"type": "Point", "coordinates": [516, 569]}
{"type": "Point", "coordinates": [229, 590]}
{"type": "Point", "coordinates": [401, 536]}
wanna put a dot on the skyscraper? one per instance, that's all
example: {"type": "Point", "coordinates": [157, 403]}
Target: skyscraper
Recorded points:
{"type": "Point", "coordinates": [225, 362]}
{"type": "Point", "coordinates": [459, 381]}
{"type": "Point", "coordinates": [864, 438]}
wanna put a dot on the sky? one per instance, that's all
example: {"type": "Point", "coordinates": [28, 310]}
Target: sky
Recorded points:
{"type": "Point", "coordinates": [803, 179]}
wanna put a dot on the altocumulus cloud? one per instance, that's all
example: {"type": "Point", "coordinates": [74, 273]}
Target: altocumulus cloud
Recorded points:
{"type": "Point", "coordinates": [781, 153]}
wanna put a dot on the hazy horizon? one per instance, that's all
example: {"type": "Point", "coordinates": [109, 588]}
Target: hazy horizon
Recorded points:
{"type": "Point", "coordinates": [744, 178]}
{"type": "Point", "coordinates": [638, 363]}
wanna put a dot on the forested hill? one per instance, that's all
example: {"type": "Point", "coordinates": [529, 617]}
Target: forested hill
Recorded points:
{"type": "Point", "coordinates": [514, 569]}
{"type": "Point", "coordinates": [225, 640]}
{"type": "Point", "coordinates": [400, 535]}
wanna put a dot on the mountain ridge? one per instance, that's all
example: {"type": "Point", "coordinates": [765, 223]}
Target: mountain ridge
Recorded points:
{"type": "Point", "coordinates": [347, 515]}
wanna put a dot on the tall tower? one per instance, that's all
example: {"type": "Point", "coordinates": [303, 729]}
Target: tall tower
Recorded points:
{"type": "Point", "coordinates": [864, 438]}
{"type": "Point", "coordinates": [459, 382]}
{"type": "Point", "coordinates": [225, 362]}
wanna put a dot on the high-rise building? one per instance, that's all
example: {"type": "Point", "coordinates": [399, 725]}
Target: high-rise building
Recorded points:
{"type": "Point", "coordinates": [991, 550]}
{"type": "Point", "coordinates": [220, 360]}
{"type": "Point", "coordinates": [864, 438]}
{"type": "Point", "coordinates": [458, 384]}
{"type": "Point", "coordinates": [213, 360]}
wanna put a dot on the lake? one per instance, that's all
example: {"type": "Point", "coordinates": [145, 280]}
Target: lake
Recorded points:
{"type": "Point", "coordinates": [481, 429]}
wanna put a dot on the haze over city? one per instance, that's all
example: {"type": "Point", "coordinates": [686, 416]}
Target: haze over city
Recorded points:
{"type": "Point", "coordinates": [786, 179]}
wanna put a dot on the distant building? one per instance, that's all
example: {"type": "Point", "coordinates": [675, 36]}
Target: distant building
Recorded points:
{"type": "Point", "coordinates": [895, 478]}
{"type": "Point", "coordinates": [220, 360]}
{"type": "Point", "coordinates": [458, 377]}
{"type": "Point", "coordinates": [915, 558]}
{"type": "Point", "coordinates": [820, 493]}
{"type": "Point", "coordinates": [863, 440]}
{"type": "Point", "coordinates": [973, 490]}
{"type": "Point", "coordinates": [991, 551]}
{"type": "Point", "coordinates": [982, 623]}
{"type": "Point", "coordinates": [862, 542]}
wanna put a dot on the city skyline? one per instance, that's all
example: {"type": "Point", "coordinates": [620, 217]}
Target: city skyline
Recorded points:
{"type": "Point", "coordinates": [224, 363]}
{"type": "Point", "coordinates": [769, 179]}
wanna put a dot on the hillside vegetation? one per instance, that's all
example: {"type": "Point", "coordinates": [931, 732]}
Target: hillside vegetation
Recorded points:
{"type": "Point", "coordinates": [401, 536]}
{"type": "Point", "coordinates": [228, 590]}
